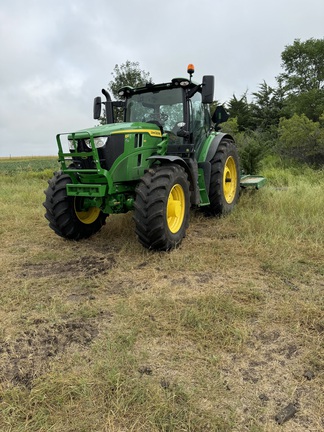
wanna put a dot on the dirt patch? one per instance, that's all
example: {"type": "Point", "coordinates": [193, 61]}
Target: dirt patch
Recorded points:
{"type": "Point", "coordinates": [27, 357]}
{"type": "Point", "coordinates": [275, 385]}
{"type": "Point", "coordinates": [85, 266]}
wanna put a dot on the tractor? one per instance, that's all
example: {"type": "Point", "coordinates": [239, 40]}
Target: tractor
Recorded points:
{"type": "Point", "coordinates": [164, 156]}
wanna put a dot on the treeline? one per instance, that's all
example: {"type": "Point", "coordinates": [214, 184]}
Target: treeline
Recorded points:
{"type": "Point", "coordinates": [286, 120]}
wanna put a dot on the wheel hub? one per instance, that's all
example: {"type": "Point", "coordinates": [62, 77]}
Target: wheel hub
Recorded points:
{"type": "Point", "coordinates": [175, 208]}
{"type": "Point", "coordinates": [229, 180]}
{"type": "Point", "coordinates": [87, 216]}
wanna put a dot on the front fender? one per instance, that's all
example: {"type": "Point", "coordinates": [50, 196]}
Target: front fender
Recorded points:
{"type": "Point", "coordinates": [168, 158]}
{"type": "Point", "coordinates": [191, 168]}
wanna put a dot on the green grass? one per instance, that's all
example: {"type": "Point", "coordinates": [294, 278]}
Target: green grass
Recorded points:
{"type": "Point", "coordinates": [19, 165]}
{"type": "Point", "coordinates": [103, 335]}
{"type": "Point", "coordinates": [29, 167]}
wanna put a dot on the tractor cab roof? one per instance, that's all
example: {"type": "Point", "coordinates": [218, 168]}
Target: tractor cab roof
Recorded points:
{"type": "Point", "coordinates": [128, 91]}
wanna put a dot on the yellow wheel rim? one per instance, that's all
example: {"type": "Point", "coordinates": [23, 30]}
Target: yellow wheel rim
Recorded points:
{"type": "Point", "coordinates": [176, 207]}
{"type": "Point", "coordinates": [230, 180]}
{"type": "Point", "coordinates": [89, 216]}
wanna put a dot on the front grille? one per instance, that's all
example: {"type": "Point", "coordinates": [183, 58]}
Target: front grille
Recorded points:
{"type": "Point", "coordinates": [83, 162]}
{"type": "Point", "coordinates": [114, 147]}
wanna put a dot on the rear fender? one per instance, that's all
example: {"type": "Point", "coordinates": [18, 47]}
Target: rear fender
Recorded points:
{"type": "Point", "coordinates": [214, 145]}
{"type": "Point", "coordinates": [206, 155]}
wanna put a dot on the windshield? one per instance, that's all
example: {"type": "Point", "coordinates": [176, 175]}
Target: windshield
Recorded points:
{"type": "Point", "coordinates": [164, 106]}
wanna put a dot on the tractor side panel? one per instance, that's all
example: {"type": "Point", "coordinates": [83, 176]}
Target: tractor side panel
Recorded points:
{"type": "Point", "coordinates": [131, 164]}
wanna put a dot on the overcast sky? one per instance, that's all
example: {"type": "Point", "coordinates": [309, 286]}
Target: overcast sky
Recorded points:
{"type": "Point", "coordinates": [56, 55]}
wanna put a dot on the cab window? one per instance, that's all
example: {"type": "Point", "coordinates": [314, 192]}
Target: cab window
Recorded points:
{"type": "Point", "coordinates": [200, 119]}
{"type": "Point", "coordinates": [197, 115]}
{"type": "Point", "coordinates": [164, 106]}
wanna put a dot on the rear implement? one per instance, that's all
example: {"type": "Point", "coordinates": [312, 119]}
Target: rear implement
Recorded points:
{"type": "Point", "coordinates": [252, 181]}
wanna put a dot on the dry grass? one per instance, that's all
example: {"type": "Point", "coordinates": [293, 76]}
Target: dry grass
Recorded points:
{"type": "Point", "coordinates": [218, 335]}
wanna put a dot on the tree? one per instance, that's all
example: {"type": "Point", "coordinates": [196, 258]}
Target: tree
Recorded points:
{"type": "Point", "coordinates": [303, 77]}
{"type": "Point", "coordinates": [267, 107]}
{"type": "Point", "coordinates": [128, 74]}
{"type": "Point", "coordinates": [240, 109]}
{"type": "Point", "coordinates": [303, 64]}
{"type": "Point", "coordinates": [310, 103]}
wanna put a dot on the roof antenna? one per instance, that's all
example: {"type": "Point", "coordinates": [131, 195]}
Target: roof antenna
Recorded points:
{"type": "Point", "coordinates": [190, 70]}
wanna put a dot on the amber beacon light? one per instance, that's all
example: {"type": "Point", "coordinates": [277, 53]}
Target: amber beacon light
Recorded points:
{"type": "Point", "coordinates": [190, 69]}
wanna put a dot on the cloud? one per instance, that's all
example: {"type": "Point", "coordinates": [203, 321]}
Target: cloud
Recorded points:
{"type": "Point", "coordinates": [56, 56]}
{"type": "Point", "coordinates": [43, 90]}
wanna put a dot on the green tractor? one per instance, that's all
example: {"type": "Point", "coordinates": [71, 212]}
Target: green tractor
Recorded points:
{"type": "Point", "coordinates": [165, 157]}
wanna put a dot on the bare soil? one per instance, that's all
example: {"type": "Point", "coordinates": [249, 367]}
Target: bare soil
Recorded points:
{"type": "Point", "coordinates": [27, 357]}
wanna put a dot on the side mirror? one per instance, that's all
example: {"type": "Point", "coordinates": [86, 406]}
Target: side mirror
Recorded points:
{"type": "Point", "coordinates": [207, 90]}
{"type": "Point", "coordinates": [220, 115]}
{"type": "Point", "coordinates": [182, 132]}
{"type": "Point", "coordinates": [97, 107]}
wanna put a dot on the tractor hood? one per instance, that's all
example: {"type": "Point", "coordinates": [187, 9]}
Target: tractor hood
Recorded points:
{"type": "Point", "coordinates": [117, 128]}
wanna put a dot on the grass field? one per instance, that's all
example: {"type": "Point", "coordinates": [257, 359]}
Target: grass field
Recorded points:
{"type": "Point", "coordinates": [221, 334]}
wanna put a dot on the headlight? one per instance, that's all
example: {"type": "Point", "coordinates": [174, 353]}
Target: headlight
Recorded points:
{"type": "Point", "coordinates": [98, 142]}
{"type": "Point", "coordinates": [71, 145]}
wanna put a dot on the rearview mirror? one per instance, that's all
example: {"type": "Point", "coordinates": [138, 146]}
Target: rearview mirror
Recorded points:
{"type": "Point", "coordinates": [207, 90]}
{"type": "Point", "coordinates": [97, 107]}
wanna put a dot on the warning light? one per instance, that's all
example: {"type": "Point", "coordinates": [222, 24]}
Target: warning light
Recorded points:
{"type": "Point", "coordinates": [191, 69]}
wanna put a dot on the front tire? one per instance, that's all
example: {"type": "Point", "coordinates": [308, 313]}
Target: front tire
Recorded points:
{"type": "Point", "coordinates": [65, 214]}
{"type": "Point", "coordinates": [162, 207]}
{"type": "Point", "coordinates": [224, 182]}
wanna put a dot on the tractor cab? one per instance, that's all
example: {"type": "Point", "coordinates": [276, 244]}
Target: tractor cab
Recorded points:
{"type": "Point", "coordinates": [179, 108]}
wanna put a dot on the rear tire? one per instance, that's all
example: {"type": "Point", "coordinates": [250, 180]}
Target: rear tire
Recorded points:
{"type": "Point", "coordinates": [65, 214]}
{"type": "Point", "coordinates": [162, 207]}
{"type": "Point", "coordinates": [224, 182]}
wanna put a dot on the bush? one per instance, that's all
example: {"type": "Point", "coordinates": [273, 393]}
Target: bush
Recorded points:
{"type": "Point", "coordinates": [252, 146]}
{"type": "Point", "coordinates": [302, 140]}
{"type": "Point", "coordinates": [252, 149]}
